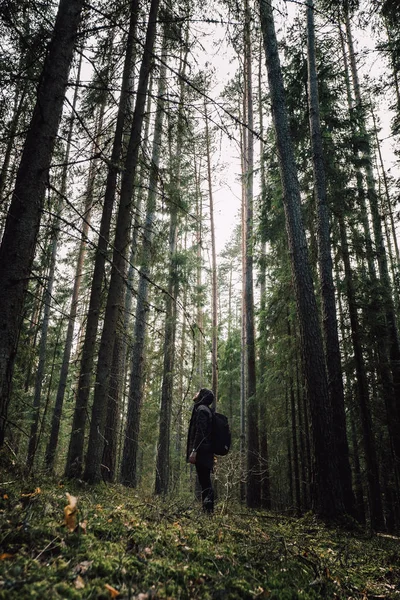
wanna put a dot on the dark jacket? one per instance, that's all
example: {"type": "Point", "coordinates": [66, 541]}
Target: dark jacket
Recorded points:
{"type": "Point", "coordinates": [200, 428]}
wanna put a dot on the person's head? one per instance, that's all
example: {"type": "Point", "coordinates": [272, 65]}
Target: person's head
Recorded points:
{"type": "Point", "coordinates": [204, 396]}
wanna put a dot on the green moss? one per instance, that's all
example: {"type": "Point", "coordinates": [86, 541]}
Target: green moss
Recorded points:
{"type": "Point", "coordinates": [139, 545]}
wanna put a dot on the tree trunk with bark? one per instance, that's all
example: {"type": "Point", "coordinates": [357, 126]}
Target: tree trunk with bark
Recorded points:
{"type": "Point", "coordinates": [115, 297]}
{"type": "Point", "coordinates": [329, 317]}
{"type": "Point", "coordinates": [76, 444]}
{"type": "Point", "coordinates": [371, 460]}
{"type": "Point", "coordinates": [253, 488]}
{"type": "Point", "coordinates": [23, 220]}
{"type": "Point", "coordinates": [62, 383]}
{"type": "Point", "coordinates": [327, 497]}
{"type": "Point", "coordinates": [385, 288]}
{"type": "Point", "coordinates": [47, 296]}
{"type": "Point", "coordinates": [214, 285]}
{"type": "Point", "coordinates": [164, 437]}
{"type": "Point", "coordinates": [129, 475]}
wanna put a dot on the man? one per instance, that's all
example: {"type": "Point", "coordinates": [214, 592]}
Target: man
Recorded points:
{"type": "Point", "coordinates": [199, 446]}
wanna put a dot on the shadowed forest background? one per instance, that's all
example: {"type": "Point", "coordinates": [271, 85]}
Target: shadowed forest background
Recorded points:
{"type": "Point", "coordinates": [116, 303]}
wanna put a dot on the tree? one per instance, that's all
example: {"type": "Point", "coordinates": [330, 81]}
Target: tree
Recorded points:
{"type": "Point", "coordinates": [47, 294]}
{"type": "Point", "coordinates": [329, 319]}
{"type": "Point", "coordinates": [163, 446]}
{"type": "Point", "coordinates": [253, 488]}
{"type": "Point", "coordinates": [214, 284]}
{"type": "Point", "coordinates": [62, 383]}
{"type": "Point", "coordinates": [115, 292]}
{"type": "Point", "coordinates": [76, 444]}
{"type": "Point", "coordinates": [327, 496]}
{"type": "Point", "coordinates": [131, 438]}
{"type": "Point", "coordinates": [23, 219]}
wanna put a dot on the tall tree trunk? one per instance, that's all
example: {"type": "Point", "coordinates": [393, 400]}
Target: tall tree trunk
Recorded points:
{"type": "Point", "coordinates": [371, 462]}
{"type": "Point", "coordinates": [385, 291]}
{"type": "Point", "coordinates": [303, 436]}
{"type": "Point", "coordinates": [77, 439]}
{"type": "Point", "coordinates": [214, 310]}
{"type": "Point", "coordinates": [265, 481]}
{"type": "Point", "coordinates": [289, 448]}
{"type": "Point", "coordinates": [114, 423]}
{"type": "Point", "coordinates": [163, 446]}
{"type": "Point", "coordinates": [47, 297]}
{"type": "Point", "coordinates": [329, 318]}
{"type": "Point", "coordinates": [62, 383]}
{"type": "Point", "coordinates": [129, 475]}
{"type": "Point", "coordinates": [115, 297]}
{"type": "Point", "coordinates": [359, 495]}
{"type": "Point", "coordinates": [182, 377]}
{"type": "Point", "coordinates": [23, 220]}
{"type": "Point", "coordinates": [34, 332]}
{"type": "Point", "coordinates": [293, 420]}
{"type": "Point", "coordinates": [48, 294]}
{"type": "Point", "coordinates": [253, 488]}
{"type": "Point", "coordinates": [243, 345]}
{"type": "Point", "coordinates": [199, 311]}
{"type": "Point", "coordinates": [327, 497]}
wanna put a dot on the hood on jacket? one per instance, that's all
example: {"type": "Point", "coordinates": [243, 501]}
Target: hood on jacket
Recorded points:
{"type": "Point", "coordinates": [204, 396]}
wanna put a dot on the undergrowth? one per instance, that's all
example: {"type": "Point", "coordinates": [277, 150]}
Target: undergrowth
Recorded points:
{"type": "Point", "coordinates": [129, 546]}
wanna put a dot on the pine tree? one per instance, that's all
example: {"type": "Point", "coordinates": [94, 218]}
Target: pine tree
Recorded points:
{"type": "Point", "coordinates": [74, 463]}
{"type": "Point", "coordinates": [327, 497]}
{"type": "Point", "coordinates": [129, 462]}
{"type": "Point", "coordinates": [329, 319]}
{"type": "Point", "coordinates": [23, 220]}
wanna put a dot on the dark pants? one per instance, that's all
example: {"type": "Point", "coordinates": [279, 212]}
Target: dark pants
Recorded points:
{"type": "Point", "coordinates": [207, 494]}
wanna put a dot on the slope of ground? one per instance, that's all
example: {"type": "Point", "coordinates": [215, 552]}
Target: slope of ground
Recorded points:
{"type": "Point", "coordinates": [116, 543]}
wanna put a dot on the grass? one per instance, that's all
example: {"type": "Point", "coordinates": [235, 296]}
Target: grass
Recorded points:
{"type": "Point", "coordinates": [129, 546]}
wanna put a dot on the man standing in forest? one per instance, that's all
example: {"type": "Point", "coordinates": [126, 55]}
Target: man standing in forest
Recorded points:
{"type": "Point", "coordinates": [199, 445]}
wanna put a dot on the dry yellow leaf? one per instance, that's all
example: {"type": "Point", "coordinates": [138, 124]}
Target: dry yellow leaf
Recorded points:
{"type": "Point", "coordinates": [32, 494]}
{"type": "Point", "coordinates": [70, 512]}
{"type": "Point", "coordinates": [79, 583]}
{"type": "Point", "coordinates": [113, 592]}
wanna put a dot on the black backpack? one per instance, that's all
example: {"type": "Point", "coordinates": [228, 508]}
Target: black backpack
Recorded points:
{"type": "Point", "coordinates": [221, 434]}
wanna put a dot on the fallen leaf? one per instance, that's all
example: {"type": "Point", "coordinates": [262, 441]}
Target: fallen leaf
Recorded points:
{"type": "Point", "coordinates": [83, 526]}
{"type": "Point", "coordinates": [70, 512]}
{"type": "Point", "coordinates": [32, 494]}
{"type": "Point", "coordinates": [83, 567]}
{"type": "Point", "coordinates": [79, 583]}
{"type": "Point", "coordinates": [6, 555]}
{"type": "Point", "coordinates": [113, 592]}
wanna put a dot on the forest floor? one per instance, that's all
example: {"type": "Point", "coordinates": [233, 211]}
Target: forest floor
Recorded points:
{"type": "Point", "coordinates": [117, 543]}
